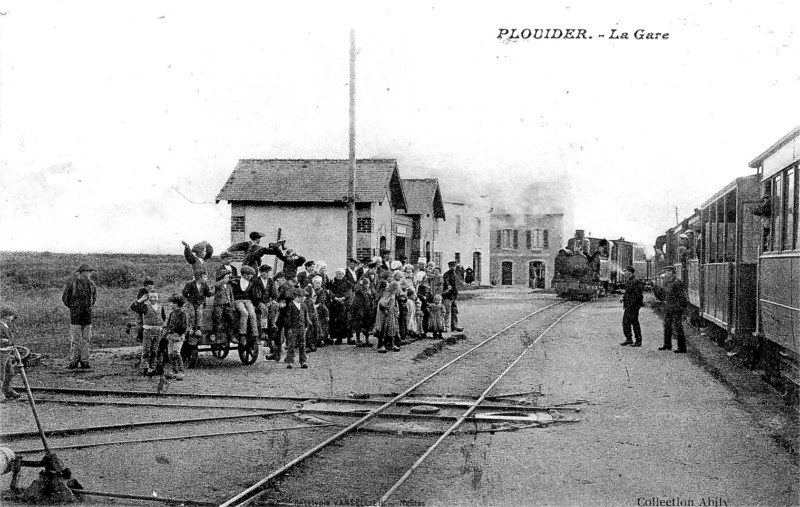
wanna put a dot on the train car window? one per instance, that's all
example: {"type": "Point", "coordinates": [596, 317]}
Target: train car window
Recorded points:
{"type": "Point", "coordinates": [767, 238]}
{"type": "Point", "coordinates": [790, 199]}
{"type": "Point", "coordinates": [777, 212]}
{"type": "Point", "coordinates": [730, 226]}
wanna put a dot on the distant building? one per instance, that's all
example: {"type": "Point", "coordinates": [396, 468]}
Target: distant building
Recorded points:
{"type": "Point", "coordinates": [426, 210]}
{"type": "Point", "coordinates": [524, 247]}
{"type": "Point", "coordinates": [307, 201]}
{"type": "Point", "coordinates": [464, 237]}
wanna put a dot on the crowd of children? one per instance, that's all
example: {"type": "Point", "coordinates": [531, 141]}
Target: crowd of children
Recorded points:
{"type": "Point", "coordinates": [296, 311]}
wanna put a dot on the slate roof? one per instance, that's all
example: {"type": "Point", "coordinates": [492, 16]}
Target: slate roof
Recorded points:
{"type": "Point", "coordinates": [282, 180]}
{"type": "Point", "coordinates": [423, 196]}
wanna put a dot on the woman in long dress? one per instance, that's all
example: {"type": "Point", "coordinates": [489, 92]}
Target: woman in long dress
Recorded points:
{"type": "Point", "coordinates": [339, 306]}
{"type": "Point", "coordinates": [387, 325]}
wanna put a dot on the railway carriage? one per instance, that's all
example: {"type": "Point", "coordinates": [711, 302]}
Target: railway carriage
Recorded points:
{"type": "Point", "coordinates": [778, 266]}
{"type": "Point", "coordinates": [728, 257]}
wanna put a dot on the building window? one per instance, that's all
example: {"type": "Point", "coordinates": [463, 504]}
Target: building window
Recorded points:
{"type": "Point", "coordinates": [237, 224]}
{"type": "Point", "coordinates": [477, 227]}
{"type": "Point", "coordinates": [457, 257]}
{"type": "Point", "coordinates": [458, 225]}
{"type": "Point", "coordinates": [508, 238]}
{"type": "Point", "coordinates": [537, 239]}
{"type": "Point", "coordinates": [437, 259]}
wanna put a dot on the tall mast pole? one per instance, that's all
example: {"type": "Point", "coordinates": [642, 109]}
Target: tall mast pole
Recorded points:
{"type": "Point", "coordinates": [351, 188]}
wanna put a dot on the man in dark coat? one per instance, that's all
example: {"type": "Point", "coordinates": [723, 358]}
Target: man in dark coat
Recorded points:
{"type": "Point", "coordinates": [80, 296]}
{"type": "Point", "coordinates": [632, 301]}
{"type": "Point", "coordinates": [196, 293]}
{"type": "Point", "coordinates": [253, 251]}
{"type": "Point", "coordinates": [449, 296]}
{"type": "Point", "coordinates": [674, 302]}
{"type": "Point", "coordinates": [226, 267]}
{"type": "Point", "coordinates": [304, 277]}
{"type": "Point", "coordinates": [291, 262]}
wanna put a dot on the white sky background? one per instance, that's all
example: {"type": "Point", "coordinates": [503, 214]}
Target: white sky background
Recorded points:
{"type": "Point", "coordinates": [117, 117]}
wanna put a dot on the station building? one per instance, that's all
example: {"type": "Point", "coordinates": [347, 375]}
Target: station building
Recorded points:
{"type": "Point", "coordinates": [307, 201]}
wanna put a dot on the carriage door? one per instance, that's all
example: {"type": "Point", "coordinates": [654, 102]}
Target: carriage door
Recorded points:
{"type": "Point", "coordinates": [536, 273]}
{"type": "Point", "coordinates": [507, 273]}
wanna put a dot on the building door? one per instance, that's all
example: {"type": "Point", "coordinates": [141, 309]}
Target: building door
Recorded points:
{"type": "Point", "coordinates": [428, 254]}
{"type": "Point", "coordinates": [507, 273]}
{"type": "Point", "coordinates": [476, 265]}
{"type": "Point", "coordinates": [382, 245]}
{"type": "Point", "coordinates": [536, 273]}
{"type": "Point", "coordinates": [400, 249]}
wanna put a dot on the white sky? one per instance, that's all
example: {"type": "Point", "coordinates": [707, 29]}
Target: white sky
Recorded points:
{"type": "Point", "coordinates": [117, 117]}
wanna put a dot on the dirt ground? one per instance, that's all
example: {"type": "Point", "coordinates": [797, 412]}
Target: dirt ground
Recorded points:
{"type": "Point", "coordinates": [657, 425]}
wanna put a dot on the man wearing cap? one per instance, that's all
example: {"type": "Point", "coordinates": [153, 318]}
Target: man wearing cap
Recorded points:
{"type": "Point", "coordinates": [304, 277]}
{"type": "Point", "coordinates": [449, 296]}
{"type": "Point", "coordinates": [674, 296]}
{"type": "Point", "coordinates": [264, 294]}
{"type": "Point", "coordinates": [254, 251]}
{"type": "Point", "coordinates": [196, 293]}
{"type": "Point", "coordinates": [80, 296]}
{"type": "Point", "coordinates": [632, 301]}
{"type": "Point", "coordinates": [291, 262]}
{"type": "Point", "coordinates": [241, 289]}
{"type": "Point", "coordinates": [197, 255]}
{"type": "Point", "coordinates": [226, 267]}
{"type": "Point", "coordinates": [223, 303]}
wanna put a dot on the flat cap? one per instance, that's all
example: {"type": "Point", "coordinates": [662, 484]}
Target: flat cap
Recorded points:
{"type": "Point", "coordinates": [225, 255]}
{"type": "Point", "coordinates": [264, 267]}
{"type": "Point", "coordinates": [256, 235]}
{"type": "Point", "coordinates": [247, 270]}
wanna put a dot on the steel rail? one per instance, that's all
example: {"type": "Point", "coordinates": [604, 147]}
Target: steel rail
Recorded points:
{"type": "Point", "coordinates": [175, 501]}
{"type": "Point", "coordinates": [89, 429]}
{"type": "Point", "coordinates": [252, 492]}
{"type": "Point", "coordinates": [468, 412]}
{"type": "Point", "coordinates": [178, 437]}
{"type": "Point", "coordinates": [344, 401]}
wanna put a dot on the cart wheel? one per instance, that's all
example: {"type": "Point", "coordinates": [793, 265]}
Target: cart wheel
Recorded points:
{"type": "Point", "coordinates": [24, 352]}
{"type": "Point", "coordinates": [248, 353]}
{"type": "Point", "coordinates": [219, 350]}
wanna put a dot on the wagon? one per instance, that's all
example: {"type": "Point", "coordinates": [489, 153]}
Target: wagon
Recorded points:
{"type": "Point", "coordinates": [222, 345]}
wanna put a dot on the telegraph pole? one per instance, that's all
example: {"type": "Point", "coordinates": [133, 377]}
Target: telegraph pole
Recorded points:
{"type": "Point", "coordinates": [351, 187]}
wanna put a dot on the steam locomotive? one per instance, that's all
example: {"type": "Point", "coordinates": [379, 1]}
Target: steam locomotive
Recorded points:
{"type": "Point", "coordinates": [590, 266]}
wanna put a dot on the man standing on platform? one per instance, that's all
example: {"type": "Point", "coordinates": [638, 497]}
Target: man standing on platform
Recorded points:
{"type": "Point", "coordinates": [674, 302]}
{"type": "Point", "coordinates": [449, 296]}
{"type": "Point", "coordinates": [632, 301]}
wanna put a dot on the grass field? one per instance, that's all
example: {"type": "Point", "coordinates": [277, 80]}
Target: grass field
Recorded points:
{"type": "Point", "coordinates": [32, 283]}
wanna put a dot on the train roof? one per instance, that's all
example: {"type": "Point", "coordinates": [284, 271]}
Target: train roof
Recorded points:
{"type": "Point", "coordinates": [727, 188]}
{"type": "Point", "coordinates": [756, 162]}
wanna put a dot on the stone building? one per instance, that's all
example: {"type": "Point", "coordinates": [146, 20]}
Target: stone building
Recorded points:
{"type": "Point", "coordinates": [524, 247]}
{"type": "Point", "coordinates": [307, 201]}
{"type": "Point", "coordinates": [464, 237]}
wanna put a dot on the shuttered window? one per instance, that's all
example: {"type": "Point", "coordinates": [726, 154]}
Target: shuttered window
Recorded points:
{"type": "Point", "coordinates": [528, 243]}
{"type": "Point", "coordinates": [516, 239]}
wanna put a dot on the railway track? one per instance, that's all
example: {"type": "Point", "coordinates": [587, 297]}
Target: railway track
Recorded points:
{"type": "Point", "coordinates": [465, 406]}
{"type": "Point", "coordinates": [253, 494]}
